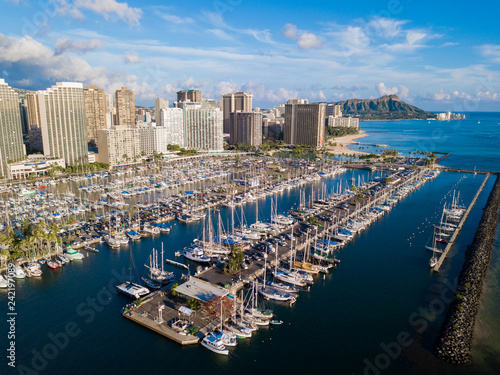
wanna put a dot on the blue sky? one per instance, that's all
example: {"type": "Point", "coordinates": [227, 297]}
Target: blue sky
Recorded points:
{"type": "Point", "coordinates": [437, 55]}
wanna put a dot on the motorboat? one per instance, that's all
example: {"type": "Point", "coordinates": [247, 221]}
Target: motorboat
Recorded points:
{"type": "Point", "coordinates": [132, 290]}
{"type": "Point", "coordinates": [215, 344]}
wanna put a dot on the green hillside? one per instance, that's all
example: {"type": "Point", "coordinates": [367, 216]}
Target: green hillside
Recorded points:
{"type": "Point", "coordinates": [388, 107]}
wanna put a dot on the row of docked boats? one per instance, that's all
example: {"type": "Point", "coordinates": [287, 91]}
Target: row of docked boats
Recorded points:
{"type": "Point", "coordinates": [444, 230]}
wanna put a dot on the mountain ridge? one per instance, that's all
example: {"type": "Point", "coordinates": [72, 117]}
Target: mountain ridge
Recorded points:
{"type": "Point", "coordinates": [387, 107]}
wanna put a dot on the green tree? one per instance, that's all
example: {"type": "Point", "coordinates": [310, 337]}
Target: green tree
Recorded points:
{"type": "Point", "coordinates": [236, 258]}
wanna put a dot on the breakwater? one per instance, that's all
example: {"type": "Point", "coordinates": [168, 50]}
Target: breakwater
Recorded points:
{"type": "Point", "coordinates": [454, 342]}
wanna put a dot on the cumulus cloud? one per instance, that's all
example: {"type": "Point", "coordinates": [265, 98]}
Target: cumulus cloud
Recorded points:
{"type": "Point", "coordinates": [131, 57]}
{"type": "Point", "coordinates": [109, 9]}
{"type": "Point", "coordinates": [383, 90]}
{"type": "Point", "coordinates": [66, 44]}
{"type": "Point", "coordinates": [404, 92]}
{"type": "Point", "coordinates": [305, 40]}
{"type": "Point", "coordinates": [25, 57]}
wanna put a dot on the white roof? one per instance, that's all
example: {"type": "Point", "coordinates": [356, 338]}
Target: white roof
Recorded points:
{"type": "Point", "coordinates": [201, 290]}
{"type": "Point", "coordinates": [185, 310]}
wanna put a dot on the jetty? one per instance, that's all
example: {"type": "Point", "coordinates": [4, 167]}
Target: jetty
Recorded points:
{"type": "Point", "coordinates": [450, 244]}
{"type": "Point", "coordinates": [454, 344]}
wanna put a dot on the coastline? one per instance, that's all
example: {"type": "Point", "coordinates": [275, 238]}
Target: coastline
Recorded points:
{"type": "Point", "coordinates": [343, 142]}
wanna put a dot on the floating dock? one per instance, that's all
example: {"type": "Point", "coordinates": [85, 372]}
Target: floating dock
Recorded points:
{"type": "Point", "coordinates": [443, 256]}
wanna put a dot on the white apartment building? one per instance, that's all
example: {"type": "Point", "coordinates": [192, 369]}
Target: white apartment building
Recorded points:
{"type": "Point", "coordinates": [119, 145]}
{"type": "Point", "coordinates": [62, 118]}
{"type": "Point", "coordinates": [11, 137]}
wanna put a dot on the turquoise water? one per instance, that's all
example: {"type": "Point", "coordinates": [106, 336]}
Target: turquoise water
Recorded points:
{"type": "Point", "coordinates": [349, 323]}
{"type": "Point", "coordinates": [473, 142]}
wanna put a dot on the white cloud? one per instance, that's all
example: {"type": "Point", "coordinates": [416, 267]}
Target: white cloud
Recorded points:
{"type": "Point", "coordinates": [109, 9]}
{"type": "Point", "coordinates": [66, 44]}
{"type": "Point", "coordinates": [175, 19]}
{"type": "Point", "coordinates": [221, 34]}
{"type": "Point", "coordinates": [491, 51]}
{"type": "Point", "coordinates": [32, 59]}
{"type": "Point", "coordinates": [131, 57]}
{"type": "Point", "coordinates": [383, 90]}
{"type": "Point", "coordinates": [309, 40]}
{"type": "Point", "coordinates": [305, 40]}
{"type": "Point", "coordinates": [404, 92]}
{"type": "Point", "coordinates": [414, 40]}
{"type": "Point", "coordinates": [290, 31]}
{"type": "Point", "coordinates": [384, 27]}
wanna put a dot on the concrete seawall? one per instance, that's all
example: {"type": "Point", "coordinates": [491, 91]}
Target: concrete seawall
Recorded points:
{"type": "Point", "coordinates": [454, 342]}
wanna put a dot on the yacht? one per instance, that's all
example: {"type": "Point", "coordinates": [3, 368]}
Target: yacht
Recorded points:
{"type": "Point", "coordinates": [133, 235]}
{"type": "Point", "coordinates": [132, 290]}
{"type": "Point", "coordinates": [19, 272]}
{"type": "Point", "coordinates": [196, 254]}
{"type": "Point", "coordinates": [73, 254]}
{"type": "Point", "coordinates": [275, 294]}
{"type": "Point", "coordinates": [215, 344]}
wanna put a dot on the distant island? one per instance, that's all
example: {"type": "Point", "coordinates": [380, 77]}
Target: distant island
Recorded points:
{"type": "Point", "coordinates": [388, 107]}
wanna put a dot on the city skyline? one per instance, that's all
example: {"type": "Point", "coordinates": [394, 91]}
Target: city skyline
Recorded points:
{"type": "Point", "coordinates": [437, 59]}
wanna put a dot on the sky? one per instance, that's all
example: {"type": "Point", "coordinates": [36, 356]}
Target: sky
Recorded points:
{"type": "Point", "coordinates": [438, 55]}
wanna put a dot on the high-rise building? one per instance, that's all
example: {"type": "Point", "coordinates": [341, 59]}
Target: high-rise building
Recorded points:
{"type": "Point", "coordinates": [334, 110]}
{"type": "Point", "coordinates": [172, 119]}
{"type": "Point", "coordinates": [246, 128]}
{"type": "Point", "coordinates": [119, 145]}
{"type": "Point", "coordinates": [11, 137]}
{"type": "Point", "coordinates": [160, 104]}
{"type": "Point", "coordinates": [239, 101]}
{"type": "Point", "coordinates": [203, 128]}
{"type": "Point", "coordinates": [125, 107]}
{"type": "Point", "coordinates": [95, 113]}
{"type": "Point", "coordinates": [297, 101]}
{"type": "Point", "coordinates": [62, 117]}
{"type": "Point", "coordinates": [189, 95]}
{"type": "Point", "coordinates": [110, 110]}
{"type": "Point", "coordinates": [305, 124]}
{"type": "Point", "coordinates": [33, 110]}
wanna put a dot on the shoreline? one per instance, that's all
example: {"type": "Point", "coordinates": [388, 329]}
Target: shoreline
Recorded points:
{"type": "Point", "coordinates": [343, 142]}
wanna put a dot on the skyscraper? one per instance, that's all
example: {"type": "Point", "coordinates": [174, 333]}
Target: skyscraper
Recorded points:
{"type": "Point", "coordinates": [305, 124]}
{"type": "Point", "coordinates": [125, 107]}
{"type": "Point", "coordinates": [95, 112]}
{"type": "Point", "coordinates": [11, 137]}
{"type": "Point", "coordinates": [189, 95]}
{"type": "Point", "coordinates": [172, 119]}
{"type": "Point", "coordinates": [62, 117]}
{"type": "Point", "coordinates": [33, 109]}
{"type": "Point", "coordinates": [160, 104]}
{"type": "Point", "coordinates": [203, 128]}
{"type": "Point", "coordinates": [246, 127]}
{"type": "Point", "coordinates": [239, 101]}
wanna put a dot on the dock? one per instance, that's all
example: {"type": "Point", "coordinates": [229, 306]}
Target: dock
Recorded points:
{"type": "Point", "coordinates": [443, 256]}
{"type": "Point", "coordinates": [177, 264]}
{"type": "Point", "coordinates": [147, 314]}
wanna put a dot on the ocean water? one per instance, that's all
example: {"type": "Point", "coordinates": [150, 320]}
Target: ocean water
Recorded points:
{"type": "Point", "coordinates": [379, 313]}
{"type": "Point", "coordinates": [472, 143]}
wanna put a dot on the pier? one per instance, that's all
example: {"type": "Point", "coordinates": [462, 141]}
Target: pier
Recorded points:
{"type": "Point", "coordinates": [454, 344]}
{"type": "Point", "coordinates": [147, 314]}
{"type": "Point", "coordinates": [450, 244]}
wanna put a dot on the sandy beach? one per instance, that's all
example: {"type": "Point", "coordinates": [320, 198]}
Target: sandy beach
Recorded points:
{"type": "Point", "coordinates": [343, 142]}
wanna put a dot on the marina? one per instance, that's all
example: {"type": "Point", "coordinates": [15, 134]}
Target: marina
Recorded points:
{"type": "Point", "coordinates": [324, 200]}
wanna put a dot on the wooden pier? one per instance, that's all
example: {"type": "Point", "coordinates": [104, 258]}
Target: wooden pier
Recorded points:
{"type": "Point", "coordinates": [443, 256]}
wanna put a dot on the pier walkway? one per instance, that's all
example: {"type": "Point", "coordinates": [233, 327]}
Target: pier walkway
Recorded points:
{"type": "Point", "coordinates": [450, 244]}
